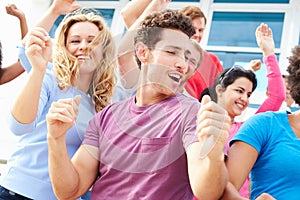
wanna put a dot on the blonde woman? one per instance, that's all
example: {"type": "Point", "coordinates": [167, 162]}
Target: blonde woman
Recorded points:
{"type": "Point", "coordinates": [83, 64]}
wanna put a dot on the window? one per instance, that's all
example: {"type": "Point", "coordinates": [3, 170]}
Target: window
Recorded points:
{"type": "Point", "coordinates": [237, 58]}
{"type": "Point", "coordinates": [238, 29]}
{"type": "Point", "coordinates": [107, 14]}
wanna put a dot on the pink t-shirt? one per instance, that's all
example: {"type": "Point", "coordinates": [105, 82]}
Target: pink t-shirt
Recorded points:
{"type": "Point", "coordinates": [142, 149]}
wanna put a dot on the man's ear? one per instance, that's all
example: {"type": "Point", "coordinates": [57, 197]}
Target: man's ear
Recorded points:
{"type": "Point", "coordinates": [142, 52]}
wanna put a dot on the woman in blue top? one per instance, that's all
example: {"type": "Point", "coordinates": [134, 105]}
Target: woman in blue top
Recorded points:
{"type": "Point", "coordinates": [83, 64]}
{"type": "Point", "coordinates": [268, 146]}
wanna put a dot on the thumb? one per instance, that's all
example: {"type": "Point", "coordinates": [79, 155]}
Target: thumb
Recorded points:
{"type": "Point", "coordinates": [77, 99]}
{"type": "Point", "coordinates": [206, 99]}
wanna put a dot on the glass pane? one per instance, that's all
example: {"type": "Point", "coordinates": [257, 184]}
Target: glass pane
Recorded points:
{"type": "Point", "coordinates": [229, 59]}
{"type": "Point", "coordinates": [238, 28]}
{"type": "Point", "coordinates": [251, 1]}
{"type": "Point", "coordinates": [107, 14]}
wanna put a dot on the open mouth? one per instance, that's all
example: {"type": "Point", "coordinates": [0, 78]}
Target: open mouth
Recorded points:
{"type": "Point", "coordinates": [240, 106]}
{"type": "Point", "coordinates": [175, 77]}
{"type": "Point", "coordinates": [82, 58]}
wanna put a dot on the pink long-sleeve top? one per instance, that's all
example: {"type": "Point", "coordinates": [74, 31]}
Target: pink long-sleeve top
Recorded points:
{"type": "Point", "coordinates": [273, 102]}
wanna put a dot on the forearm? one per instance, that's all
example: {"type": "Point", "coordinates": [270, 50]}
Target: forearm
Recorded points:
{"type": "Point", "coordinates": [48, 19]}
{"type": "Point", "coordinates": [208, 176]}
{"type": "Point", "coordinates": [23, 26]}
{"type": "Point", "coordinates": [11, 72]}
{"type": "Point", "coordinates": [276, 91]}
{"type": "Point", "coordinates": [64, 178]}
{"type": "Point", "coordinates": [231, 193]}
{"type": "Point", "coordinates": [25, 107]}
{"type": "Point", "coordinates": [133, 10]}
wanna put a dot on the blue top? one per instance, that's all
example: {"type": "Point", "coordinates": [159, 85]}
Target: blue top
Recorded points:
{"type": "Point", "coordinates": [276, 170]}
{"type": "Point", "coordinates": [27, 172]}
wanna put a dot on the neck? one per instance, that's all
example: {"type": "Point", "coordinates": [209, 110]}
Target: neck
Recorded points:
{"type": "Point", "coordinates": [147, 95]}
{"type": "Point", "coordinates": [294, 119]}
{"type": "Point", "coordinates": [83, 83]}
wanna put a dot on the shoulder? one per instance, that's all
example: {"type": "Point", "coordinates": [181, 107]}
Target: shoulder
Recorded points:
{"type": "Point", "coordinates": [264, 119]}
{"type": "Point", "coordinates": [216, 60]}
{"type": "Point", "coordinates": [187, 99]}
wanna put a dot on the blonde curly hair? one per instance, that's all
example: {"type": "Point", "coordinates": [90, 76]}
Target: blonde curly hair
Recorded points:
{"type": "Point", "coordinates": [66, 65]}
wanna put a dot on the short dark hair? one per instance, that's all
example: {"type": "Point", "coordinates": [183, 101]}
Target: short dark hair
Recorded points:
{"type": "Point", "coordinates": [228, 76]}
{"type": "Point", "coordinates": [294, 74]}
{"type": "Point", "coordinates": [151, 27]}
{"type": "Point", "coordinates": [193, 12]}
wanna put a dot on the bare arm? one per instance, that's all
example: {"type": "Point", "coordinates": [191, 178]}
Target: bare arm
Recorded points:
{"type": "Point", "coordinates": [11, 72]}
{"type": "Point", "coordinates": [57, 8]}
{"type": "Point", "coordinates": [38, 46]}
{"type": "Point", "coordinates": [239, 166]}
{"type": "Point", "coordinates": [208, 174]}
{"type": "Point", "coordinates": [128, 68]}
{"type": "Point", "coordinates": [70, 178]}
{"type": "Point", "coordinates": [133, 10]}
{"type": "Point", "coordinates": [14, 70]}
{"type": "Point", "coordinates": [12, 9]}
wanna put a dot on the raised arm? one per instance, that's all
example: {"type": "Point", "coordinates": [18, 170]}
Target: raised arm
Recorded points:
{"type": "Point", "coordinates": [133, 10]}
{"type": "Point", "coordinates": [208, 174]}
{"type": "Point", "coordinates": [14, 70]}
{"type": "Point", "coordinates": [12, 9]}
{"type": "Point", "coordinates": [57, 8]}
{"type": "Point", "coordinates": [276, 91]}
{"type": "Point", "coordinates": [70, 179]}
{"type": "Point", "coordinates": [127, 66]}
{"type": "Point", "coordinates": [38, 46]}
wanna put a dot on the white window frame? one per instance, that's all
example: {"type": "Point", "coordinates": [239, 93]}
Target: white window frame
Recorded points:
{"type": "Point", "coordinates": [290, 32]}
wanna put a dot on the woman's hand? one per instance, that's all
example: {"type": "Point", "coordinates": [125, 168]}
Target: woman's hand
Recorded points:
{"type": "Point", "coordinates": [62, 116]}
{"type": "Point", "coordinates": [38, 48]}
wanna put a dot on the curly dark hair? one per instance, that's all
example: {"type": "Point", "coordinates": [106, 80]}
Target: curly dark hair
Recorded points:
{"type": "Point", "coordinates": [294, 74]}
{"type": "Point", "coordinates": [151, 27]}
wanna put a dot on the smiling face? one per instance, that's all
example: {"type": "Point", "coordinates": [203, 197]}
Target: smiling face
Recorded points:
{"type": "Point", "coordinates": [166, 66]}
{"type": "Point", "coordinates": [235, 98]}
{"type": "Point", "coordinates": [199, 26]}
{"type": "Point", "coordinates": [79, 36]}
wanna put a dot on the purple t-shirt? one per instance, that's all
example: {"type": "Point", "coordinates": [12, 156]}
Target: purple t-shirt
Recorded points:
{"type": "Point", "coordinates": [142, 149]}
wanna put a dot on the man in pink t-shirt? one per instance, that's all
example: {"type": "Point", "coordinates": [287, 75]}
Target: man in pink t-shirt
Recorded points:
{"type": "Point", "coordinates": [146, 147]}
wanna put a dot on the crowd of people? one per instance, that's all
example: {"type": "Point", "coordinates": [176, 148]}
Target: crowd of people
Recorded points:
{"type": "Point", "coordinates": [150, 117]}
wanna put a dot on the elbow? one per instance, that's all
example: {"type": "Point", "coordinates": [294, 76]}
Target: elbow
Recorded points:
{"type": "Point", "coordinates": [126, 19]}
{"type": "Point", "coordinates": [18, 128]}
{"type": "Point", "coordinates": [63, 195]}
